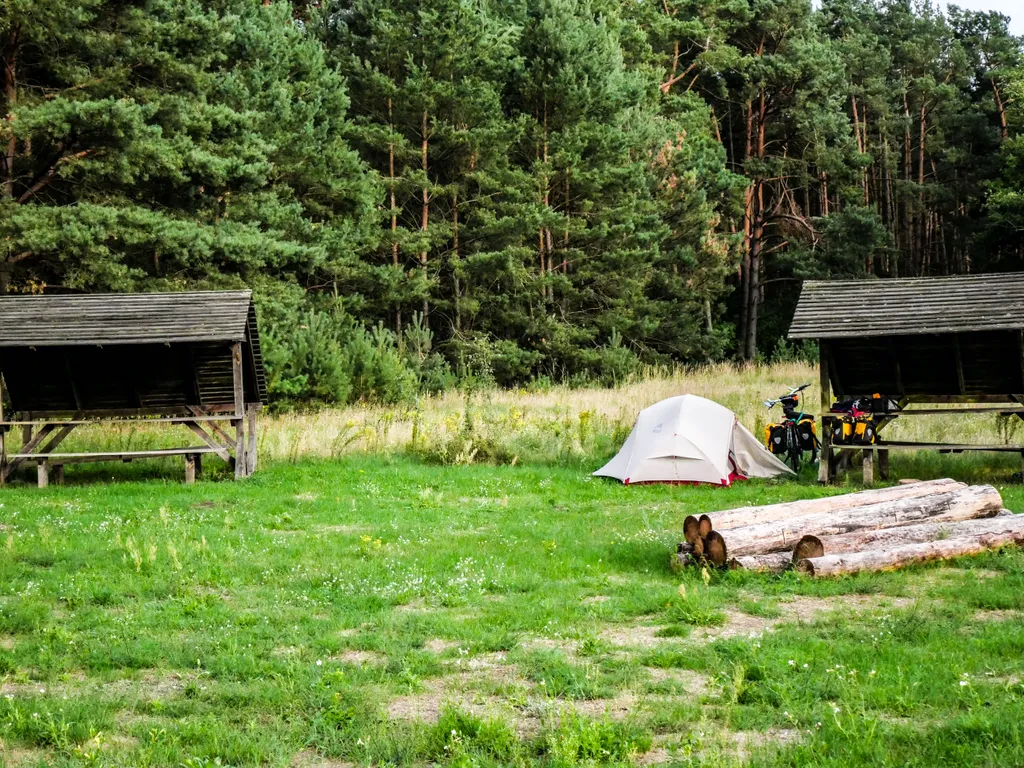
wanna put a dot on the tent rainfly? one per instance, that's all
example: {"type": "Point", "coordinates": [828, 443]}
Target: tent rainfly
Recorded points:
{"type": "Point", "coordinates": [688, 439]}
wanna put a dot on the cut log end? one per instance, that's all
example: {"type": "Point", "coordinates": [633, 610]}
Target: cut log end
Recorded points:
{"type": "Point", "coordinates": [808, 546]}
{"type": "Point", "coordinates": [698, 548]}
{"type": "Point", "coordinates": [691, 529]}
{"type": "Point", "coordinates": [804, 566]}
{"type": "Point", "coordinates": [705, 525]}
{"type": "Point", "coordinates": [715, 551]}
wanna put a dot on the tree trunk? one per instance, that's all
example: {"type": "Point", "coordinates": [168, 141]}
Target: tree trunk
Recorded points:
{"type": "Point", "coordinates": [394, 213]}
{"type": "Point", "coordinates": [965, 504]}
{"type": "Point", "coordinates": [456, 288]}
{"type": "Point", "coordinates": [425, 220]}
{"type": "Point", "coordinates": [887, 538]}
{"type": "Point", "coordinates": [1002, 110]}
{"type": "Point", "coordinates": [776, 562]}
{"type": "Point", "coordinates": [10, 91]}
{"type": "Point", "coordinates": [737, 518]}
{"type": "Point", "coordinates": [897, 557]}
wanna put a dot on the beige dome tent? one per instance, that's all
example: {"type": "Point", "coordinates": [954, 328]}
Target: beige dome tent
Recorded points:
{"type": "Point", "coordinates": [688, 439]}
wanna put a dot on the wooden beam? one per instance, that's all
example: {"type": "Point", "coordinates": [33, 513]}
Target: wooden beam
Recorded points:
{"type": "Point", "coordinates": [57, 439]}
{"type": "Point", "coordinates": [1020, 353]}
{"type": "Point", "coordinates": [228, 440]}
{"type": "Point", "coordinates": [3, 434]}
{"type": "Point", "coordinates": [868, 465]}
{"type": "Point", "coordinates": [15, 460]}
{"type": "Point", "coordinates": [958, 361]}
{"type": "Point", "coordinates": [203, 435]}
{"type": "Point", "coordinates": [238, 422]}
{"type": "Point", "coordinates": [250, 449]}
{"type": "Point", "coordinates": [126, 456]}
{"type": "Point", "coordinates": [834, 371]}
{"type": "Point", "coordinates": [825, 423]}
{"type": "Point", "coordinates": [71, 381]}
{"type": "Point", "coordinates": [199, 416]}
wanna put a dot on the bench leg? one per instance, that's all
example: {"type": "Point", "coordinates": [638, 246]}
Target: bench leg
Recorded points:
{"type": "Point", "coordinates": [199, 464]}
{"type": "Point", "coordinates": [869, 467]}
{"type": "Point", "coordinates": [58, 474]}
{"type": "Point", "coordinates": [883, 465]}
{"type": "Point", "coordinates": [190, 468]}
{"type": "Point", "coordinates": [43, 474]}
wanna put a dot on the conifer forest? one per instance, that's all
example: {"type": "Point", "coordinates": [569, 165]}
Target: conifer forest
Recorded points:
{"type": "Point", "coordinates": [422, 194]}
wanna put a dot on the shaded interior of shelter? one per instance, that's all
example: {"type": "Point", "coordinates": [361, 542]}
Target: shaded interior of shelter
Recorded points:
{"type": "Point", "coordinates": [972, 364]}
{"type": "Point", "coordinates": [130, 377]}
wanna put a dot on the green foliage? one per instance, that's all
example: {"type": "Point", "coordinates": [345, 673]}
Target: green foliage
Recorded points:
{"type": "Point", "coordinates": [458, 193]}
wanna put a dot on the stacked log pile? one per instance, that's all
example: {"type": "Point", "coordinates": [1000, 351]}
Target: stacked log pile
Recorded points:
{"type": "Point", "coordinates": [878, 529]}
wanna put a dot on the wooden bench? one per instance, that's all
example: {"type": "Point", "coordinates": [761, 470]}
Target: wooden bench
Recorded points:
{"type": "Point", "coordinates": [45, 461]}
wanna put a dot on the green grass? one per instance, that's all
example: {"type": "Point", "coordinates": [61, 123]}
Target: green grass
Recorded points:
{"type": "Point", "coordinates": [380, 610]}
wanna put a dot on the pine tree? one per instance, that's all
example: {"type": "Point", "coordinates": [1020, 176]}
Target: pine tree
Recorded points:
{"type": "Point", "coordinates": [163, 144]}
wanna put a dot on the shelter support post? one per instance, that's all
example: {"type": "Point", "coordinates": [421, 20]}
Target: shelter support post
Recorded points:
{"type": "Point", "coordinates": [825, 457]}
{"type": "Point", "coordinates": [58, 474]}
{"type": "Point", "coordinates": [868, 463]}
{"type": "Point", "coordinates": [190, 468]}
{"type": "Point", "coordinates": [42, 474]}
{"type": "Point", "coordinates": [238, 420]}
{"type": "Point", "coordinates": [250, 448]}
{"type": "Point", "coordinates": [883, 465]}
{"type": "Point", "coordinates": [3, 435]}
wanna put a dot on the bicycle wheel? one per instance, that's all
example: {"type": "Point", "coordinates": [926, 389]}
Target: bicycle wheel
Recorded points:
{"type": "Point", "coordinates": [794, 449]}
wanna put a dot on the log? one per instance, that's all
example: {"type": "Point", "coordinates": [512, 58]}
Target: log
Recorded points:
{"type": "Point", "coordinates": [888, 538]}
{"type": "Point", "coordinates": [808, 546]}
{"type": "Point", "coordinates": [715, 549]}
{"type": "Point", "coordinates": [680, 560]}
{"type": "Point", "coordinates": [737, 518]}
{"type": "Point", "coordinates": [698, 549]}
{"type": "Point", "coordinates": [965, 504]}
{"type": "Point", "coordinates": [691, 529]}
{"type": "Point", "coordinates": [897, 557]}
{"type": "Point", "coordinates": [776, 562]}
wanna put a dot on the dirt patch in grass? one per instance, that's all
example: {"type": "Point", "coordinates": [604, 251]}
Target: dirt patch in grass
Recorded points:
{"type": "Point", "coordinates": [19, 756]}
{"type": "Point", "coordinates": [998, 615]}
{"type": "Point", "coordinates": [414, 606]}
{"type": "Point", "coordinates": [340, 528]}
{"type": "Point", "coordinates": [691, 682]}
{"type": "Point", "coordinates": [595, 600]}
{"type": "Point", "coordinates": [307, 758]}
{"type": "Point", "coordinates": [7, 642]}
{"type": "Point", "coordinates": [745, 742]}
{"type": "Point", "coordinates": [361, 658]}
{"type": "Point", "coordinates": [157, 685]}
{"type": "Point", "coordinates": [738, 624]}
{"type": "Point", "coordinates": [633, 636]}
{"type": "Point", "coordinates": [437, 645]}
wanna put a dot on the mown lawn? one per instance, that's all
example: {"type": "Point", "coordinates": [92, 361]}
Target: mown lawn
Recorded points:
{"type": "Point", "coordinates": [385, 611]}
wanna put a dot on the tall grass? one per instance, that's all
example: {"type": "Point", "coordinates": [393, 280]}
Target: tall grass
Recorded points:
{"type": "Point", "coordinates": [549, 424]}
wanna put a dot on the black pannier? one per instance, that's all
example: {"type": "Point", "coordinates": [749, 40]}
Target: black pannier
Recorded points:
{"type": "Point", "coordinates": [805, 433]}
{"type": "Point", "coordinates": [776, 438]}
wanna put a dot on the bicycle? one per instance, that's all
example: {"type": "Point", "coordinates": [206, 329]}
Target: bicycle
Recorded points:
{"type": "Point", "coordinates": [795, 435]}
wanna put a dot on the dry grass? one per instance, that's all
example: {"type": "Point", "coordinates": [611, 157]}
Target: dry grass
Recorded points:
{"type": "Point", "coordinates": [506, 426]}
{"type": "Point", "coordinates": [559, 412]}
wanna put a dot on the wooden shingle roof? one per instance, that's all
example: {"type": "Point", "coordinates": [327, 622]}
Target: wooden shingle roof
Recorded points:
{"type": "Point", "coordinates": [907, 306]}
{"type": "Point", "coordinates": [119, 318]}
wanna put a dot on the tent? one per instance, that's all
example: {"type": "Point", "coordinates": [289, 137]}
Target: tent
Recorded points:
{"type": "Point", "coordinates": [688, 439]}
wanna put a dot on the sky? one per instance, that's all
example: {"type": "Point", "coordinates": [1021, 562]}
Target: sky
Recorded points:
{"type": "Point", "coordinates": [1012, 8]}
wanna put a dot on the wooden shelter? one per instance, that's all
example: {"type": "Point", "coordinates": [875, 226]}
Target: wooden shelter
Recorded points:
{"type": "Point", "coordinates": [956, 341]}
{"type": "Point", "coordinates": [190, 359]}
